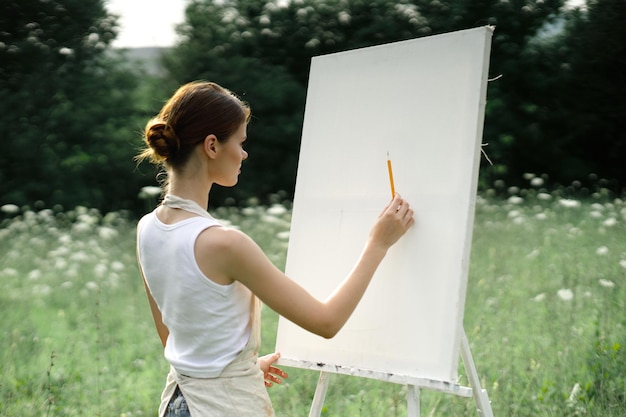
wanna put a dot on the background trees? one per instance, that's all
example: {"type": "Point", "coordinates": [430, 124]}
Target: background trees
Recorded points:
{"type": "Point", "coordinates": [552, 61]}
{"type": "Point", "coordinates": [71, 110]}
{"type": "Point", "coordinates": [66, 107]}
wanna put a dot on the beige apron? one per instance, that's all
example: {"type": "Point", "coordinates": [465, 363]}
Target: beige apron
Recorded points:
{"type": "Point", "coordinates": [239, 391]}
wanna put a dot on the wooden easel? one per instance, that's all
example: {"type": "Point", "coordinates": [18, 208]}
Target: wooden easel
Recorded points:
{"type": "Point", "coordinates": [413, 384]}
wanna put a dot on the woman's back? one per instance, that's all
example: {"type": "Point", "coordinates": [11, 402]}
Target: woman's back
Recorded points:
{"type": "Point", "coordinates": [209, 323]}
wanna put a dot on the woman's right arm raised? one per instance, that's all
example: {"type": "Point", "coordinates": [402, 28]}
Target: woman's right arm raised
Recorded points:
{"type": "Point", "coordinates": [241, 259]}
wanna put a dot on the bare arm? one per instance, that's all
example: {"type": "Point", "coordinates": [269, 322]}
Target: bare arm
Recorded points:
{"type": "Point", "coordinates": [162, 330]}
{"type": "Point", "coordinates": [238, 257]}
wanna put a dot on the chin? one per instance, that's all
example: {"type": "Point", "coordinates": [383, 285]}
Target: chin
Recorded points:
{"type": "Point", "coordinates": [227, 184]}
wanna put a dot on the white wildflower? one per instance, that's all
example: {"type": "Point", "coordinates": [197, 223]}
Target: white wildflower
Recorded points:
{"type": "Point", "coordinates": [610, 222]}
{"type": "Point", "coordinates": [565, 294]}
{"type": "Point", "coordinates": [528, 175]}
{"type": "Point", "coordinates": [65, 239]}
{"type": "Point", "coordinates": [575, 231]}
{"type": "Point", "coordinates": [602, 250]}
{"type": "Point", "coordinates": [312, 43]}
{"type": "Point", "coordinates": [533, 254]}
{"type": "Point", "coordinates": [10, 209]}
{"type": "Point", "coordinates": [515, 199]}
{"type": "Point", "coordinates": [81, 227]}
{"type": "Point", "coordinates": [539, 297]}
{"type": "Point", "coordinates": [60, 263]}
{"type": "Point", "coordinates": [544, 196]}
{"type": "Point", "coordinates": [149, 191]}
{"type": "Point", "coordinates": [513, 214]}
{"type": "Point", "coordinates": [536, 182]}
{"type": "Point", "coordinates": [66, 51]}
{"type": "Point", "coordinates": [34, 275]}
{"type": "Point", "coordinates": [87, 218]}
{"type": "Point", "coordinates": [606, 283]}
{"type": "Point", "coordinates": [248, 211]}
{"type": "Point", "coordinates": [622, 263]}
{"type": "Point", "coordinates": [80, 256]}
{"type": "Point", "coordinates": [271, 219]}
{"type": "Point", "coordinates": [344, 17]}
{"type": "Point", "coordinates": [90, 285]}
{"type": "Point", "coordinates": [100, 270]}
{"type": "Point", "coordinates": [36, 241]}
{"type": "Point", "coordinates": [107, 233]}
{"type": "Point", "coordinates": [573, 395]}
{"type": "Point", "coordinates": [519, 220]}
{"type": "Point", "coordinates": [41, 290]}
{"type": "Point", "coordinates": [117, 266]}
{"type": "Point", "coordinates": [595, 214]}
{"type": "Point", "coordinates": [276, 210]}
{"type": "Point", "coordinates": [283, 235]}
{"type": "Point", "coordinates": [569, 203]}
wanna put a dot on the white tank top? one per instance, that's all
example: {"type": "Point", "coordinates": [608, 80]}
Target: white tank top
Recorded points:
{"type": "Point", "coordinates": [208, 323]}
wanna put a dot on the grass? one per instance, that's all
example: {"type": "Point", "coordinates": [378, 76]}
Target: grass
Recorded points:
{"type": "Point", "coordinates": [544, 314]}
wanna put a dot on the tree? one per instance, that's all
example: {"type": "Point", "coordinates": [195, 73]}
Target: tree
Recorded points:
{"type": "Point", "coordinates": [536, 120]}
{"type": "Point", "coordinates": [558, 108]}
{"type": "Point", "coordinates": [593, 59]}
{"type": "Point", "coordinates": [66, 107]}
{"type": "Point", "coordinates": [262, 51]}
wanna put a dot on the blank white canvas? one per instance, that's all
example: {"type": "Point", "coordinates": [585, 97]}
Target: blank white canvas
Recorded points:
{"type": "Point", "coordinates": [422, 101]}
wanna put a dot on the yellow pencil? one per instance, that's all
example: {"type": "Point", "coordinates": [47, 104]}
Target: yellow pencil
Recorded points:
{"type": "Point", "coordinates": [393, 189]}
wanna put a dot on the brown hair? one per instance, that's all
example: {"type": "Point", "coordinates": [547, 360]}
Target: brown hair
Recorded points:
{"type": "Point", "coordinates": [195, 111]}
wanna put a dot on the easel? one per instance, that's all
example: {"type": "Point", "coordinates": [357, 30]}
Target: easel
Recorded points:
{"type": "Point", "coordinates": [413, 384]}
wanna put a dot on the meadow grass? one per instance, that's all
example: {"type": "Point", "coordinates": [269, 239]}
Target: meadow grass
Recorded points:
{"type": "Point", "coordinates": [545, 314]}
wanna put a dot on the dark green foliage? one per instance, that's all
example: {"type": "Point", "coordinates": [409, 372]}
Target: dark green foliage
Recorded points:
{"type": "Point", "coordinates": [559, 108]}
{"type": "Point", "coordinates": [263, 52]}
{"type": "Point", "coordinates": [71, 110]}
{"type": "Point", "coordinates": [66, 107]}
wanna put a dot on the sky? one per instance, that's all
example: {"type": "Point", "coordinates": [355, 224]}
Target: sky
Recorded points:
{"type": "Point", "coordinates": [152, 22]}
{"type": "Point", "coordinates": [146, 22]}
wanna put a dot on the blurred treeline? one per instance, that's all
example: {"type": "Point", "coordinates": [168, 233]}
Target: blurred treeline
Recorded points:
{"type": "Point", "coordinates": [72, 109]}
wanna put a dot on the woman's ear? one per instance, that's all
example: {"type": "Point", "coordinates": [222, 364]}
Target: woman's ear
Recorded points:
{"type": "Point", "coordinates": [210, 146]}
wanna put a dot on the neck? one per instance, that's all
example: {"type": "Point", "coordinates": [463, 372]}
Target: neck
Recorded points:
{"type": "Point", "coordinates": [192, 182]}
{"type": "Point", "coordinates": [190, 190]}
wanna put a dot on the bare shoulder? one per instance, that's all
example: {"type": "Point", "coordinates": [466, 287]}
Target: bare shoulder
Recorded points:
{"type": "Point", "coordinates": [220, 252]}
{"type": "Point", "coordinates": [222, 240]}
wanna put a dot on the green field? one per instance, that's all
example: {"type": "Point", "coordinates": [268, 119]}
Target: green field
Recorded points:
{"type": "Point", "coordinates": [545, 314]}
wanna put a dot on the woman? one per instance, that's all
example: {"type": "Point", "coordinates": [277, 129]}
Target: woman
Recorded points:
{"type": "Point", "coordinates": [203, 280]}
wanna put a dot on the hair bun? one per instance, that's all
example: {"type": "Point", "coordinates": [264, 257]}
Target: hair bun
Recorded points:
{"type": "Point", "coordinates": [162, 139]}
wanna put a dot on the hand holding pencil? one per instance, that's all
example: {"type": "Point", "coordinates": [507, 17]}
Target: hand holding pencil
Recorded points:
{"type": "Point", "coordinates": [395, 219]}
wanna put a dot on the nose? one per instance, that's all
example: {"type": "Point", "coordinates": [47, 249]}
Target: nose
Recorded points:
{"type": "Point", "coordinates": [244, 155]}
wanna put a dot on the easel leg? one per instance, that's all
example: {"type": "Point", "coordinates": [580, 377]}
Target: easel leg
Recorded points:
{"type": "Point", "coordinates": [413, 401]}
{"type": "Point", "coordinates": [480, 395]}
{"type": "Point", "coordinates": [320, 394]}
